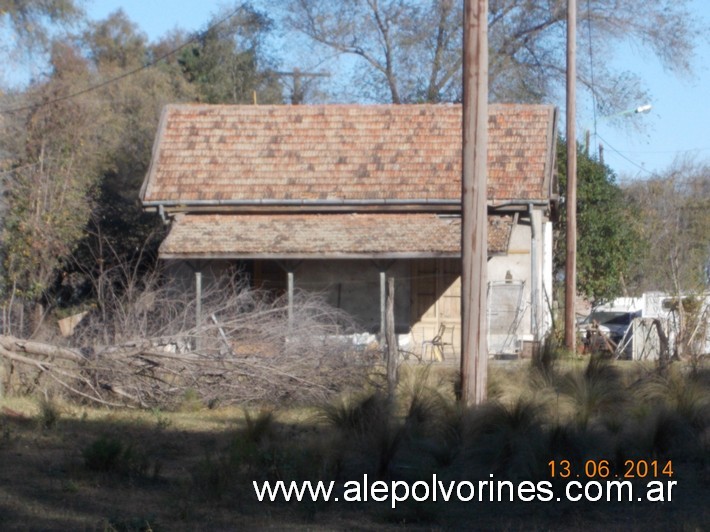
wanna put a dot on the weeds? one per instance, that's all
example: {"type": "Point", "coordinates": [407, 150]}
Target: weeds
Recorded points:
{"type": "Point", "coordinates": [162, 422]}
{"type": "Point", "coordinates": [104, 454]}
{"type": "Point", "coordinates": [506, 440]}
{"type": "Point", "coordinates": [251, 453]}
{"type": "Point", "coordinates": [49, 413]}
{"type": "Point", "coordinates": [108, 454]}
{"type": "Point", "coordinates": [595, 392]}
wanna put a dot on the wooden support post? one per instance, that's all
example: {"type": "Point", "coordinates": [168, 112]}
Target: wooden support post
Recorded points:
{"type": "Point", "coordinates": [392, 346]}
{"type": "Point", "coordinates": [198, 308]}
{"type": "Point", "coordinates": [383, 301]}
{"type": "Point", "coordinates": [534, 273]}
{"type": "Point", "coordinates": [474, 230]}
{"type": "Point", "coordinates": [290, 298]}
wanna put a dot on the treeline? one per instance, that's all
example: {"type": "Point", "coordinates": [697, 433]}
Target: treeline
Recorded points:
{"type": "Point", "coordinates": [636, 236]}
{"type": "Point", "coordinates": [77, 141]}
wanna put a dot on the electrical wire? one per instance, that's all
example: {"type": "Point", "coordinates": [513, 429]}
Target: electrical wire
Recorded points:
{"type": "Point", "coordinates": [591, 67]}
{"type": "Point", "coordinates": [125, 75]}
{"type": "Point", "coordinates": [637, 165]}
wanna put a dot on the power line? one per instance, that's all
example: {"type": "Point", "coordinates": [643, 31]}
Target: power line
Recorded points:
{"type": "Point", "coordinates": [125, 75]}
{"type": "Point", "coordinates": [591, 67]}
{"type": "Point", "coordinates": [641, 167]}
{"type": "Point", "coordinates": [688, 150]}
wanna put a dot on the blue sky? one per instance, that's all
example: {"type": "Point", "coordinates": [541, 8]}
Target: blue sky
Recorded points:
{"type": "Point", "coordinates": [679, 122]}
{"type": "Point", "coordinates": [677, 125]}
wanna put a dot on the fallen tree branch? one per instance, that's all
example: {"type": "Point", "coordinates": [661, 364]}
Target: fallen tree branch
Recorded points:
{"type": "Point", "coordinates": [248, 355]}
{"type": "Point", "coordinates": [38, 348]}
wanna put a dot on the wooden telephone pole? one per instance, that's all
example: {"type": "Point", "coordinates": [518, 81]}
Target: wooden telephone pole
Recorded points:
{"type": "Point", "coordinates": [298, 94]}
{"type": "Point", "coordinates": [571, 201]}
{"type": "Point", "coordinates": [474, 211]}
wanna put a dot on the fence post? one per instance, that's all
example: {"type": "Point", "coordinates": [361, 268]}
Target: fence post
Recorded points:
{"type": "Point", "coordinates": [392, 347]}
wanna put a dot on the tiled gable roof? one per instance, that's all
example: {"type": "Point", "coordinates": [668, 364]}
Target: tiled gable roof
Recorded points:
{"type": "Point", "coordinates": [349, 153]}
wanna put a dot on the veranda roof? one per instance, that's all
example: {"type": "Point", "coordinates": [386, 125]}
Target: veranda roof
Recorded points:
{"type": "Point", "coordinates": [324, 236]}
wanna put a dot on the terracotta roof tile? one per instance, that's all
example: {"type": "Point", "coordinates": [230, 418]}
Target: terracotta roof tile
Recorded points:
{"type": "Point", "coordinates": [323, 235]}
{"type": "Point", "coordinates": [346, 152]}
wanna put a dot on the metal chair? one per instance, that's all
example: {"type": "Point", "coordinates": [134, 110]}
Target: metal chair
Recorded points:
{"type": "Point", "coordinates": [437, 344]}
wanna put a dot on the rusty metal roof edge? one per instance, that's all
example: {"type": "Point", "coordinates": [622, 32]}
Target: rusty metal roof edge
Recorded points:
{"type": "Point", "coordinates": [235, 202]}
{"type": "Point", "coordinates": [305, 256]}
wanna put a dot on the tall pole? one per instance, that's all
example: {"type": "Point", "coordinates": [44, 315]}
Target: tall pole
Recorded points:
{"type": "Point", "coordinates": [474, 231]}
{"type": "Point", "coordinates": [299, 93]}
{"type": "Point", "coordinates": [571, 260]}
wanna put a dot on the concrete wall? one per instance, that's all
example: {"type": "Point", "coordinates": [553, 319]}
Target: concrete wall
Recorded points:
{"type": "Point", "coordinates": [354, 286]}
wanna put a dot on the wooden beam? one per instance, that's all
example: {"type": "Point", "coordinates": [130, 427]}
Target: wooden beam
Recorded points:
{"type": "Point", "coordinates": [256, 208]}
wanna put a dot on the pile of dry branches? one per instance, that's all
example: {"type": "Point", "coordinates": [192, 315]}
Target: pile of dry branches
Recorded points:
{"type": "Point", "coordinates": [154, 347]}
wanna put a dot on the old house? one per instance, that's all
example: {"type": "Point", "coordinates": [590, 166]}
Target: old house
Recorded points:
{"type": "Point", "coordinates": [334, 198]}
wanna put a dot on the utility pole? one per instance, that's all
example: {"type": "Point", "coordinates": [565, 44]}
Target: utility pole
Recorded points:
{"type": "Point", "coordinates": [571, 201]}
{"type": "Point", "coordinates": [474, 211]}
{"type": "Point", "coordinates": [299, 94]}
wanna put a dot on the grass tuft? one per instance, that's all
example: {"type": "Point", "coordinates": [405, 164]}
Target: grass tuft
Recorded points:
{"type": "Point", "coordinates": [49, 413]}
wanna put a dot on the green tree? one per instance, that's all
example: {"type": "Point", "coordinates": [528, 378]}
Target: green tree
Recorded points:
{"type": "Point", "coordinates": [51, 175]}
{"type": "Point", "coordinates": [118, 229]}
{"type": "Point", "coordinates": [74, 155]}
{"type": "Point", "coordinates": [607, 237]}
{"type": "Point", "coordinates": [227, 63]}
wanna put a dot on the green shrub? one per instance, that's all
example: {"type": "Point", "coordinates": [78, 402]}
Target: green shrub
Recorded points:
{"type": "Point", "coordinates": [104, 454]}
{"type": "Point", "coordinates": [110, 455]}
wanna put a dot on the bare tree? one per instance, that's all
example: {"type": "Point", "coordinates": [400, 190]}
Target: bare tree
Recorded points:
{"type": "Point", "coordinates": [411, 51]}
{"type": "Point", "coordinates": [26, 23]}
{"type": "Point", "coordinates": [674, 222]}
{"type": "Point", "coordinates": [674, 219]}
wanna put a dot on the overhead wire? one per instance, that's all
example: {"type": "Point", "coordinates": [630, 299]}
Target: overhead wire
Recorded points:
{"type": "Point", "coordinates": [594, 97]}
{"type": "Point", "coordinates": [197, 36]}
{"type": "Point", "coordinates": [591, 67]}
{"type": "Point", "coordinates": [637, 165]}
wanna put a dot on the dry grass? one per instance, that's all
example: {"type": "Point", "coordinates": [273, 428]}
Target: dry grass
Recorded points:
{"type": "Point", "coordinates": [192, 469]}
